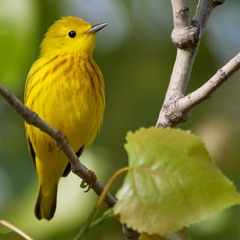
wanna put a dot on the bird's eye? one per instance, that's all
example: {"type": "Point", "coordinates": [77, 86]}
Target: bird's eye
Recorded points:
{"type": "Point", "coordinates": [72, 34]}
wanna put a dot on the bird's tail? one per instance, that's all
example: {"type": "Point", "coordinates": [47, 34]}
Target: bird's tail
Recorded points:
{"type": "Point", "coordinates": [46, 202]}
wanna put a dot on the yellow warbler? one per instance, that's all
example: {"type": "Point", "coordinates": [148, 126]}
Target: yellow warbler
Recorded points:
{"type": "Point", "coordinates": [64, 87]}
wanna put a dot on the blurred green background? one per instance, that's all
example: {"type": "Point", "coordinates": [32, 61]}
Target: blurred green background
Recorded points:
{"type": "Point", "coordinates": [136, 56]}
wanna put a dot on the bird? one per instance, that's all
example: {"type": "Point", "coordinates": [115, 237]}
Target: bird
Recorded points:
{"type": "Point", "coordinates": [65, 87]}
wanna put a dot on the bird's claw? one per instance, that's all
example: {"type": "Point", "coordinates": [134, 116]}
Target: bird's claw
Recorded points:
{"type": "Point", "coordinates": [84, 184]}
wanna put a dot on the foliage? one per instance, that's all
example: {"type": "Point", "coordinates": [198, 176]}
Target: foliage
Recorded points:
{"type": "Point", "coordinates": [172, 182]}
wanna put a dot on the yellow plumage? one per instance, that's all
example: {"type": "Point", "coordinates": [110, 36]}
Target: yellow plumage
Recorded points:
{"type": "Point", "coordinates": [64, 87]}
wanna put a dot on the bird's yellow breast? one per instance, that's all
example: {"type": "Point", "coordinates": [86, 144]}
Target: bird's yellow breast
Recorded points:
{"type": "Point", "coordinates": [68, 93]}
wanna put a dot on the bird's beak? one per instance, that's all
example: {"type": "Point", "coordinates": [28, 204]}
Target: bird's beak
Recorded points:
{"type": "Point", "coordinates": [96, 28]}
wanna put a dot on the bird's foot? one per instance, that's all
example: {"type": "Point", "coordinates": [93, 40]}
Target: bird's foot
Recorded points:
{"type": "Point", "coordinates": [84, 184]}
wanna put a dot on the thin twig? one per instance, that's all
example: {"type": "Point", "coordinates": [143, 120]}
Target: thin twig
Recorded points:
{"type": "Point", "coordinates": [204, 10]}
{"type": "Point", "coordinates": [15, 229]}
{"type": "Point", "coordinates": [186, 103]}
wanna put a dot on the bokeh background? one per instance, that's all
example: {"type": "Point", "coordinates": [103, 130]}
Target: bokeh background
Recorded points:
{"type": "Point", "coordinates": [136, 56]}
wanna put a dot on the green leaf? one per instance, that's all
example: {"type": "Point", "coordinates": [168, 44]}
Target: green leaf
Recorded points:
{"type": "Point", "coordinates": [179, 235]}
{"type": "Point", "coordinates": [172, 182]}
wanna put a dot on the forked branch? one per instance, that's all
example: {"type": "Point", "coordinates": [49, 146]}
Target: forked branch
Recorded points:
{"type": "Point", "coordinates": [186, 36]}
{"type": "Point", "coordinates": [186, 103]}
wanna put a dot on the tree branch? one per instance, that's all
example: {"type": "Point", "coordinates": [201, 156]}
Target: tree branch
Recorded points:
{"type": "Point", "coordinates": [204, 10]}
{"type": "Point", "coordinates": [186, 103]}
{"type": "Point", "coordinates": [186, 36]}
{"type": "Point", "coordinates": [180, 14]}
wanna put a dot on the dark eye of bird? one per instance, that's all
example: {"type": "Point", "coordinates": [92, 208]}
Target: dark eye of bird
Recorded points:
{"type": "Point", "coordinates": [72, 34]}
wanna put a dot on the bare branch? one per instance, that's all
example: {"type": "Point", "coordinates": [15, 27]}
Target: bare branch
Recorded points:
{"type": "Point", "coordinates": [185, 32]}
{"type": "Point", "coordinates": [204, 10]}
{"type": "Point", "coordinates": [186, 103]}
{"type": "Point", "coordinates": [180, 14]}
{"type": "Point", "coordinates": [178, 109]}
{"type": "Point", "coordinates": [186, 36]}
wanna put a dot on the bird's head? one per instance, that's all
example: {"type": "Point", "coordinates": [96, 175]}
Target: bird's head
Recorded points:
{"type": "Point", "coordinates": [70, 34]}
